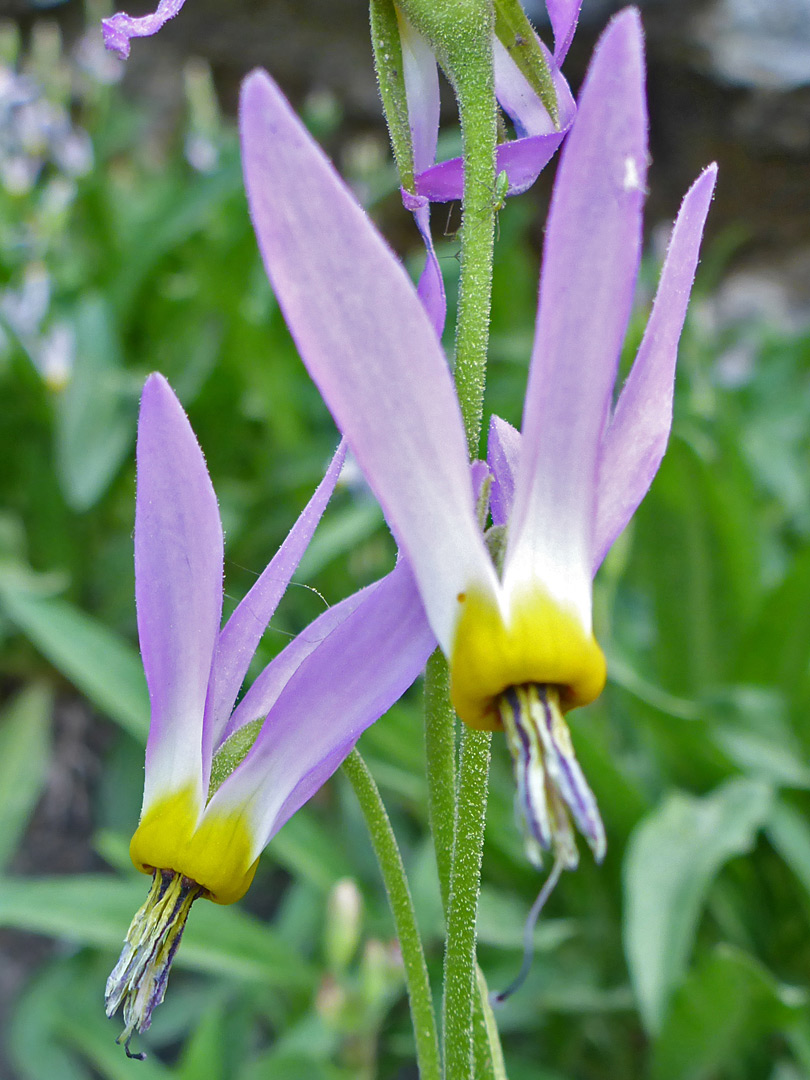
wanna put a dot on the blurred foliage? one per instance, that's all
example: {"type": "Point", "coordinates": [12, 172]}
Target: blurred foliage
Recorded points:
{"type": "Point", "coordinates": [125, 246]}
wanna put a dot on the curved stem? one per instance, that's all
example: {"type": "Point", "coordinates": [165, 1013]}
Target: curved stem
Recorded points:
{"type": "Point", "coordinates": [399, 897]}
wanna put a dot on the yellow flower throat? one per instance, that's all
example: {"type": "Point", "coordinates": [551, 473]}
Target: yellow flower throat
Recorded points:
{"type": "Point", "coordinates": [543, 644]}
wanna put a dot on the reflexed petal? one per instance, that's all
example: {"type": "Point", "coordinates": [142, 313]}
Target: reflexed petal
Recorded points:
{"type": "Point", "coordinates": [266, 687]}
{"type": "Point", "coordinates": [421, 75]}
{"type": "Point", "coordinates": [430, 289]}
{"type": "Point", "coordinates": [364, 665]}
{"type": "Point", "coordinates": [590, 262]}
{"type": "Point", "coordinates": [517, 98]}
{"type": "Point", "coordinates": [178, 587]}
{"type": "Point", "coordinates": [242, 633]}
{"type": "Point", "coordinates": [522, 159]}
{"type": "Point", "coordinates": [369, 346]}
{"type": "Point", "coordinates": [503, 450]}
{"type": "Point", "coordinates": [564, 15]}
{"type": "Point", "coordinates": [637, 436]}
{"type": "Point", "coordinates": [120, 28]}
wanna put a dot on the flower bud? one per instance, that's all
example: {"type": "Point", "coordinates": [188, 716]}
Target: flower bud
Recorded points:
{"type": "Point", "coordinates": [344, 919]}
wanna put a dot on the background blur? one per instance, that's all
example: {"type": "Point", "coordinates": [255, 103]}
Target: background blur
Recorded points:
{"type": "Point", "coordinates": [125, 247]}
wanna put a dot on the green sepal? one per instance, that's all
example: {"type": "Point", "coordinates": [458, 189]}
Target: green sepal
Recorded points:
{"type": "Point", "coordinates": [385, 39]}
{"type": "Point", "coordinates": [516, 34]}
{"type": "Point", "coordinates": [232, 753]}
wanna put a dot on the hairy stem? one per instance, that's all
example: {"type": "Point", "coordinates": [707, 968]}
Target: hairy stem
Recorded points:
{"type": "Point", "coordinates": [399, 897]}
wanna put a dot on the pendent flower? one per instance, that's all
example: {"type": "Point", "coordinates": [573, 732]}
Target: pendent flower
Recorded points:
{"type": "Point", "coordinates": [221, 781]}
{"type": "Point", "coordinates": [409, 82]}
{"type": "Point", "coordinates": [519, 636]}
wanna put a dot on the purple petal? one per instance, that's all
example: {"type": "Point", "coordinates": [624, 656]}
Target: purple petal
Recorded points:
{"type": "Point", "coordinates": [443, 182]}
{"type": "Point", "coordinates": [522, 159]}
{"type": "Point", "coordinates": [243, 631]}
{"type": "Point", "coordinates": [265, 689]}
{"type": "Point", "coordinates": [431, 284]}
{"type": "Point", "coordinates": [421, 75]}
{"type": "Point", "coordinates": [590, 263]}
{"type": "Point", "coordinates": [354, 675]}
{"type": "Point", "coordinates": [178, 586]}
{"type": "Point", "coordinates": [637, 437]}
{"type": "Point", "coordinates": [503, 452]}
{"type": "Point", "coordinates": [520, 100]}
{"type": "Point", "coordinates": [120, 28]}
{"type": "Point", "coordinates": [564, 15]}
{"type": "Point", "coordinates": [369, 346]}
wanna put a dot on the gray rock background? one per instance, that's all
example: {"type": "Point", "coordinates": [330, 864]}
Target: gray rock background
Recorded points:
{"type": "Point", "coordinates": [728, 80]}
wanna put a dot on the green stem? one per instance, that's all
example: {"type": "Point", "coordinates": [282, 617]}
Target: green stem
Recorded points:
{"type": "Point", "coordinates": [476, 96]}
{"type": "Point", "coordinates": [460, 988]}
{"type": "Point", "coordinates": [440, 758]}
{"type": "Point", "coordinates": [399, 897]}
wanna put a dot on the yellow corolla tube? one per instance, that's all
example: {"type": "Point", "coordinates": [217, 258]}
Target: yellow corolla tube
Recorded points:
{"type": "Point", "coordinates": [541, 643]}
{"type": "Point", "coordinates": [522, 675]}
{"type": "Point", "coordinates": [217, 852]}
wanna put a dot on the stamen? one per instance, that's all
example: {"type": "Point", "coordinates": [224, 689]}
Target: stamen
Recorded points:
{"type": "Point", "coordinates": [548, 777]}
{"type": "Point", "coordinates": [139, 978]}
{"type": "Point", "coordinates": [528, 934]}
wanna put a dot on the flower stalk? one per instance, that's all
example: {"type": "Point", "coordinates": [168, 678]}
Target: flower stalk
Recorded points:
{"type": "Point", "coordinates": [475, 89]}
{"type": "Point", "coordinates": [401, 903]}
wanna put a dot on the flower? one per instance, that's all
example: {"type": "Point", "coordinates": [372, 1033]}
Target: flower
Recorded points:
{"type": "Point", "coordinates": [537, 135]}
{"type": "Point", "coordinates": [518, 637]}
{"type": "Point", "coordinates": [519, 161]}
{"type": "Point", "coordinates": [120, 28]}
{"type": "Point", "coordinates": [221, 781]}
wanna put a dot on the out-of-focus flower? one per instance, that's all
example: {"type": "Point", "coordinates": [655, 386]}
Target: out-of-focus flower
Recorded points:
{"type": "Point", "coordinates": [220, 781]}
{"type": "Point", "coordinates": [23, 314]}
{"type": "Point", "coordinates": [518, 635]}
{"type": "Point", "coordinates": [35, 131]}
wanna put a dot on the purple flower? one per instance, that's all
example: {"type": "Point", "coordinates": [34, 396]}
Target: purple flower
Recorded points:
{"type": "Point", "coordinates": [221, 781]}
{"type": "Point", "coordinates": [519, 637]}
{"type": "Point", "coordinates": [120, 28]}
{"type": "Point", "coordinates": [519, 160]}
{"type": "Point", "coordinates": [537, 137]}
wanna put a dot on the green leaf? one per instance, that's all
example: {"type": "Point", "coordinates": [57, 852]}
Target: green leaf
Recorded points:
{"type": "Point", "coordinates": [32, 1048]}
{"type": "Point", "coordinates": [775, 650]}
{"type": "Point", "coordinates": [789, 832]}
{"type": "Point", "coordinates": [671, 859]}
{"type": "Point", "coordinates": [727, 1004]}
{"type": "Point", "coordinates": [342, 532]}
{"type": "Point", "coordinates": [282, 1065]}
{"type": "Point", "coordinates": [501, 919]}
{"type": "Point", "coordinates": [205, 1053]}
{"type": "Point", "coordinates": [308, 851]}
{"type": "Point", "coordinates": [97, 909]}
{"type": "Point", "coordinates": [98, 662]}
{"type": "Point", "coordinates": [25, 754]}
{"type": "Point", "coordinates": [95, 418]}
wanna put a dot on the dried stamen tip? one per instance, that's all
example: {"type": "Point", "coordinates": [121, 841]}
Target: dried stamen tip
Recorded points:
{"type": "Point", "coordinates": [551, 787]}
{"type": "Point", "coordinates": [139, 979]}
